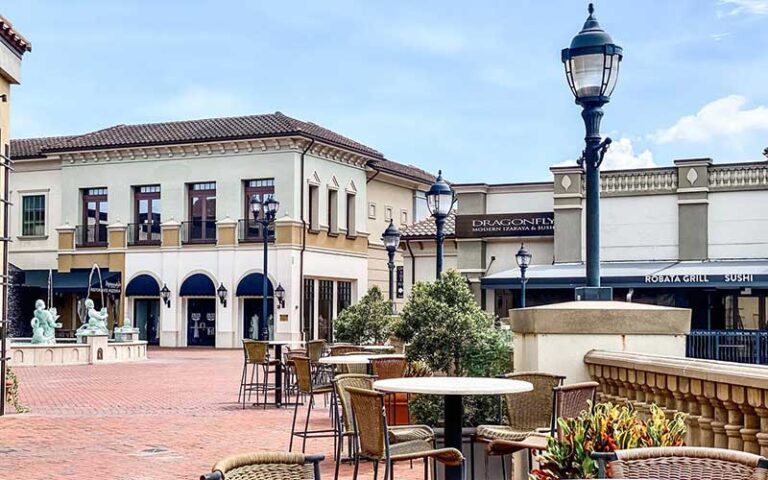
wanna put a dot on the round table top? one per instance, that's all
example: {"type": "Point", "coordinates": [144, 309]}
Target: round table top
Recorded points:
{"type": "Point", "coordinates": [452, 385]}
{"type": "Point", "coordinates": [361, 359]}
{"type": "Point", "coordinates": [286, 342]}
{"type": "Point", "coordinates": [378, 347]}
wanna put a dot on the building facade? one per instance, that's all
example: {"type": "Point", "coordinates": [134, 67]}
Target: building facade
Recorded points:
{"type": "Point", "coordinates": [166, 206]}
{"type": "Point", "coordinates": [693, 235]}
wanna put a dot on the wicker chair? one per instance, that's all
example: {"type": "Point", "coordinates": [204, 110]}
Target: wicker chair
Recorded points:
{"type": "Point", "coordinates": [390, 367]}
{"type": "Point", "coordinates": [308, 389]}
{"type": "Point", "coordinates": [337, 350]}
{"type": "Point", "coordinates": [289, 382]}
{"type": "Point", "coordinates": [255, 355]}
{"type": "Point", "coordinates": [678, 463]}
{"type": "Point", "coordinates": [568, 402]}
{"type": "Point", "coordinates": [373, 438]}
{"type": "Point", "coordinates": [266, 466]}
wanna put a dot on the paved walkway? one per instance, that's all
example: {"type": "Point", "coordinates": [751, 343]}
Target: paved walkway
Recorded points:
{"type": "Point", "coordinates": [170, 417]}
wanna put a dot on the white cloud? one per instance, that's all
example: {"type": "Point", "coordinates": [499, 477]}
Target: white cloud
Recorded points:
{"type": "Point", "coordinates": [725, 117]}
{"type": "Point", "coordinates": [198, 102]}
{"type": "Point", "coordinates": [755, 7]}
{"type": "Point", "coordinates": [621, 156]}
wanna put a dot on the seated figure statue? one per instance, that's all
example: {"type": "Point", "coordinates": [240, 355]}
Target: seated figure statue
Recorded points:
{"type": "Point", "coordinates": [44, 324]}
{"type": "Point", "coordinates": [97, 320]}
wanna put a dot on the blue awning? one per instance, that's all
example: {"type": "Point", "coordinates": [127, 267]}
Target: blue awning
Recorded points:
{"type": "Point", "coordinates": [252, 286]}
{"type": "Point", "coordinates": [142, 286]}
{"type": "Point", "coordinates": [75, 281]}
{"type": "Point", "coordinates": [197, 285]}
{"type": "Point", "coordinates": [686, 274]}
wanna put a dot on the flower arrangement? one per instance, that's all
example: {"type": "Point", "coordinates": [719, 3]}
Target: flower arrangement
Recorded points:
{"type": "Point", "coordinates": [606, 428]}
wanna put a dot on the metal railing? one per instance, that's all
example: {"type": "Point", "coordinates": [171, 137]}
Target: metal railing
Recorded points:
{"type": "Point", "coordinates": [91, 235]}
{"type": "Point", "coordinates": [143, 234]}
{"type": "Point", "coordinates": [198, 231]}
{"type": "Point", "coordinates": [740, 346]}
{"type": "Point", "coordinates": [249, 230]}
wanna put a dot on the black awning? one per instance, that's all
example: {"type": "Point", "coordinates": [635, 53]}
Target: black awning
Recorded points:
{"type": "Point", "coordinates": [75, 281]}
{"type": "Point", "coordinates": [197, 285]}
{"type": "Point", "coordinates": [252, 285]}
{"type": "Point", "coordinates": [142, 286]}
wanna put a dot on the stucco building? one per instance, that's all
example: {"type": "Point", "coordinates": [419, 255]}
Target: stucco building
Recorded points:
{"type": "Point", "coordinates": [166, 205]}
{"type": "Point", "coordinates": [691, 235]}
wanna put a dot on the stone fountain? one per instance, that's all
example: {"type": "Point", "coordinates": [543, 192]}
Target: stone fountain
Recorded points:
{"type": "Point", "coordinates": [44, 325]}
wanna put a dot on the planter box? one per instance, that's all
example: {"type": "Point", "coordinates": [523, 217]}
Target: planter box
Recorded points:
{"type": "Point", "coordinates": [493, 464]}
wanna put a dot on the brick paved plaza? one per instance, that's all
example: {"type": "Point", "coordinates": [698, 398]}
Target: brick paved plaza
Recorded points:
{"type": "Point", "coordinates": [170, 417]}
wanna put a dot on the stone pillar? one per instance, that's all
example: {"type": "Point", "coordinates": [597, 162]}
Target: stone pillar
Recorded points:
{"type": "Point", "coordinates": [555, 338]}
{"type": "Point", "coordinates": [170, 233]}
{"type": "Point", "coordinates": [226, 234]}
{"type": "Point", "coordinates": [97, 348]}
{"type": "Point", "coordinates": [693, 208]}
{"type": "Point", "coordinates": [569, 199]}
{"type": "Point", "coordinates": [116, 236]}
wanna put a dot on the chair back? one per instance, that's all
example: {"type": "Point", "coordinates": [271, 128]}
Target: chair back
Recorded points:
{"type": "Point", "coordinates": [255, 351]}
{"type": "Point", "coordinates": [370, 421]}
{"type": "Point", "coordinates": [388, 367]}
{"type": "Point", "coordinates": [337, 350]}
{"type": "Point", "coordinates": [675, 463]}
{"type": "Point", "coordinates": [570, 400]}
{"type": "Point", "coordinates": [315, 349]}
{"type": "Point", "coordinates": [303, 373]}
{"type": "Point", "coordinates": [266, 466]}
{"type": "Point", "coordinates": [532, 410]}
{"type": "Point", "coordinates": [344, 381]}
{"type": "Point", "coordinates": [290, 355]}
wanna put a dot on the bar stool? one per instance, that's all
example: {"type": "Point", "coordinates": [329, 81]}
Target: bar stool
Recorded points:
{"type": "Point", "coordinates": [256, 354]}
{"type": "Point", "coordinates": [307, 388]}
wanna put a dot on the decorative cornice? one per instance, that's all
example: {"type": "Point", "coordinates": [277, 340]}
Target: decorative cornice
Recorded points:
{"type": "Point", "coordinates": [204, 149]}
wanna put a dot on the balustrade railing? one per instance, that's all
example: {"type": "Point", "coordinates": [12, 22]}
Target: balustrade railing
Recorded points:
{"type": "Point", "coordinates": [726, 403]}
{"type": "Point", "coordinates": [198, 231]}
{"type": "Point", "coordinates": [144, 234]}
{"type": "Point", "coordinates": [250, 230]}
{"type": "Point", "coordinates": [91, 235]}
{"type": "Point", "coordinates": [658, 180]}
{"type": "Point", "coordinates": [733, 177]}
{"type": "Point", "coordinates": [741, 346]}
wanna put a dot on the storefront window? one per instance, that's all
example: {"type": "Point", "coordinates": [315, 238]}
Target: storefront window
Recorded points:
{"type": "Point", "coordinates": [344, 296]}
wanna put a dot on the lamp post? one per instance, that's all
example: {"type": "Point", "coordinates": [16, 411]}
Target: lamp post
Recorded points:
{"type": "Point", "coordinates": [592, 68]}
{"type": "Point", "coordinates": [523, 258]}
{"type": "Point", "coordinates": [264, 213]}
{"type": "Point", "coordinates": [440, 201]}
{"type": "Point", "coordinates": [391, 238]}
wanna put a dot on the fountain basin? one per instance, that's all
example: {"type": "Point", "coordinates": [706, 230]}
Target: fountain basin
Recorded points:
{"type": "Point", "coordinates": [94, 350]}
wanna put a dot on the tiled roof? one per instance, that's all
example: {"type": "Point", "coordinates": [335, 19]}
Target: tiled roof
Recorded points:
{"type": "Point", "coordinates": [404, 170]}
{"type": "Point", "coordinates": [31, 147]}
{"type": "Point", "coordinates": [14, 38]}
{"type": "Point", "coordinates": [427, 229]}
{"type": "Point", "coordinates": [210, 129]}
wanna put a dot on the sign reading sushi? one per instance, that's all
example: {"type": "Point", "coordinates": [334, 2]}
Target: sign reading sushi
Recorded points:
{"type": "Point", "coordinates": [506, 225]}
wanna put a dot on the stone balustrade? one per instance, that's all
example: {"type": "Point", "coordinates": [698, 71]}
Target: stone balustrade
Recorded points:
{"type": "Point", "coordinates": [726, 403]}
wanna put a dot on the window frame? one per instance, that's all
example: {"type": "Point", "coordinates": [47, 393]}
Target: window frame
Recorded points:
{"type": "Point", "coordinates": [98, 195]}
{"type": "Point", "coordinates": [203, 193]}
{"type": "Point", "coordinates": [46, 213]}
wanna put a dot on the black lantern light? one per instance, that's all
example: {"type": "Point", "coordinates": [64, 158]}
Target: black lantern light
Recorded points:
{"type": "Point", "coordinates": [165, 295]}
{"type": "Point", "coordinates": [391, 239]}
{"type": "Point", "coordinates": [280, 295]}
{"type": "Point", "coordinates": [440, 201]}
{"type": "Point", "coordinates": [592, 69]}
{"type": "Point", "coordinates": [523, 258]}
{"type": "Point", "coordinates": [222, 293]}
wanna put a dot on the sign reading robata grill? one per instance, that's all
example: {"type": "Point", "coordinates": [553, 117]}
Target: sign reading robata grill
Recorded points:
{"type": "Point", "coordinates": [506, 225]}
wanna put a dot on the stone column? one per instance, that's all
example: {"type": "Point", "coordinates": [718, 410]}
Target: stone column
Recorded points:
{"type": "Point", "coordinates": [116, 235]}
{"type": "Point", "coordinates": [705, 422]}
{"type": "Point", "coordinates": [693, 208]}
{"type": "Point", "coordinates": [226, 234]}
{"type": "Point", "coordinates": [170, 233]}
{"type": "Point", "coordinates": [569, 199]}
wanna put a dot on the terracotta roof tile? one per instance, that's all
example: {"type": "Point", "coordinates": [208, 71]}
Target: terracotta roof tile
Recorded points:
{"type": "Point", "coordinates": [404, 170]}
{"type": "Point", "coordinates": [32, 147]}
{"type": "Point", "coordinates": [210, 129]}
{"type": "Point", "coordinates": [14, 38]}
{"type": "Point", "coordinates": [427, 229]}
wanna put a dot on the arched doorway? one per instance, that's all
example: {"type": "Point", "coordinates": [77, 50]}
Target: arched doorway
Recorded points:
{"type": "Point", "coordinates": [200, 293]}
{"type": "Point", "coordinates": [145, 292]}
{"type": "Point", "coordinates": [251, 291]}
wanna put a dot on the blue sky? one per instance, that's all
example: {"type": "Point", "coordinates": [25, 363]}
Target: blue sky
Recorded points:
{"type": "Point", "coordinates": [474, 88]}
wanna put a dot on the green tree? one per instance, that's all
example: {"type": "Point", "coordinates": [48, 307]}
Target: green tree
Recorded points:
{"type": "Point", "coordinates": [367, 321]}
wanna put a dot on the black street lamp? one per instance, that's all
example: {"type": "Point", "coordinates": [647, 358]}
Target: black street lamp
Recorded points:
{"type": "Point", "coordinates": [264, 213]}
{"type": "Point", "coordinates": [523, 258]}
{"type": "Point", "coordinates": [165, 295]}
{"type": "Point", "coordinates": [391, 238]}
{"type": "Point", "coordinates": [222, 293]}
{"type": "Point", "coordinates": [592, 68]}
{"type": "Point", "coordinates": [440, 201]}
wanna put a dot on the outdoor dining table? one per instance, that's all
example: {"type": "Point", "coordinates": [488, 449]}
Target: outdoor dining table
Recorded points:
{"type": "Point", "coordinates": [278, 344]}
{"type": "Point", "coordinates": [378, 348]}
{"type": "Point", "coordinates": [453, 390]}
{"type": "Point", "coordinates": [357, 359]}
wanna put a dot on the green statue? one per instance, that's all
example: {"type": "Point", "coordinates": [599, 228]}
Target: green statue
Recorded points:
{"type": "Point", "coordinates": [97, 320]}
{"type": "Point", "coordinates": [44, 324]}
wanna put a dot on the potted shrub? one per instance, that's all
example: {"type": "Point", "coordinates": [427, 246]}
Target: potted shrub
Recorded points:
{"type": "Point", "coordinates": [366, 322]}
{"type": "Point", "coordinates": [607, 428]}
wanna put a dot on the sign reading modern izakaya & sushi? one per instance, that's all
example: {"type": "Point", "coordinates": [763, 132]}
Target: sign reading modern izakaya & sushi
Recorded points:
{"type": "Point", "coordinates": [506, 225]}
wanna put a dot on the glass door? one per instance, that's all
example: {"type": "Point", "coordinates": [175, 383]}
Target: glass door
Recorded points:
{"type": "Point", "coordinates": [146, 313]}
{"type": "Point", "coordinates": [325, 311]}
{"type": "Point", "coordinates": [95, 215]}
{"type": "Point", "coordinates": [202, 212]}
{"type": "Point", "coordinates": [147, 213]}
{"type": "Point", "coordinates": [201, 322]}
